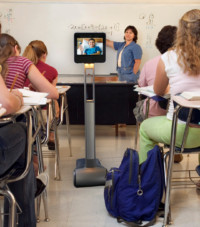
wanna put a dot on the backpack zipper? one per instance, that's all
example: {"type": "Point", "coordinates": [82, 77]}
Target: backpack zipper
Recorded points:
{"type": "Point", "coordinates": [140, 191]}
{"type": "Point", "coordinates": [113, 185]}
{"type": "Point", "coordinates": [130, 166]}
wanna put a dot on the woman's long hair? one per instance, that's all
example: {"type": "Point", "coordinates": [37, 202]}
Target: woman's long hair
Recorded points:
{"type": "Point", "coordinates": [35, 50]}
{"type": "Point", "coordinates": [187, 43]}
{"type": "Point", "coordinates": [7, 45]}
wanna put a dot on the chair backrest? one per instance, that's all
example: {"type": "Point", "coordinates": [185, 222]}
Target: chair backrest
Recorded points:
{"type": "Point", "coordinates": [184, 113]}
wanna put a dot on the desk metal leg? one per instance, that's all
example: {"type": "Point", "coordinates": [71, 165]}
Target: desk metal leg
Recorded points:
{"type": "Point", "coordinates": [57, 153]}
{"type": "Point", "coordinates": [40, 164]}
{"type": "Point", "coordinates": [167, 216]}
{"type": "Point", "coordinates": [67, 123]}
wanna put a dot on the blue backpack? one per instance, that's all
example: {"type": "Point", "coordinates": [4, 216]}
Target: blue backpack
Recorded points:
{"type": "Point", "coordinates": [134, 192]}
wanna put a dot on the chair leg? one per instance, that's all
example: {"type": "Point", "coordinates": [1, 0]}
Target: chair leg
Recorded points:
{"type": "Point", "coordinates": [57, 153]}
{"type": "Point", "coordinates": [165, 175]}
{"type": "Point", "coordinates": [38, 203]}
{"type": "Point", "coordinates": [167, 216]}
{"type": "Point", "coordinates": [44, 197]}
{"type": "Point", "coordinates": [40, 160]}
{"type": "Point", "coordinates": [68, 124]}
{"type": "Point", "coordinates": [12, 207]}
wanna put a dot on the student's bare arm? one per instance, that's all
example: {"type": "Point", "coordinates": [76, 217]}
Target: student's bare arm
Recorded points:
{"type": "Point", "coordinates": [11, 101]}
{"type": "Point", "coordinates": [41, 84]}
{"type": "Point", "coordinates": [109, 43]}
{"type": "Point", "coordinates": [54, 82]}
{"type": "Point", "coordinates": [136, 65]}
{"type": "Point", "coordinates": [161, 80]}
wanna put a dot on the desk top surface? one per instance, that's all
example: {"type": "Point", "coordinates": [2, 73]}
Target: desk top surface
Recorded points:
{"type": "Point", "coordinates": [62, 89]}
{"type": "Point", "coordinates": [185, 103]}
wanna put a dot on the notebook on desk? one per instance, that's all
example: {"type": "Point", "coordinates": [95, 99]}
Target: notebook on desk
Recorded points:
{"type": "Point", "coordinates": [148, 91]}
{"type": "Point", "coordinates": [191, 96]}
{"type": "Point", "coordinates": [33, 98]}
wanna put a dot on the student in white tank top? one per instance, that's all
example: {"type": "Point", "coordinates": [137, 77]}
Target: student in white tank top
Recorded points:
{"type": "Point", "coordinates": [178, 69]}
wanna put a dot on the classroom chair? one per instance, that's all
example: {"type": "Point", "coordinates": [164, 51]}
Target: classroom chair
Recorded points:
{"type": "Point", "coordinates": [37, 128]}
{"type": "Point", "coordinates": [52, 125]}
{"type": "Point", "coordinates": [189, 112]}
{"type": "Point", "coordinates": [65, 110]}
{"type": "Point", "coordinates": [7, 177]}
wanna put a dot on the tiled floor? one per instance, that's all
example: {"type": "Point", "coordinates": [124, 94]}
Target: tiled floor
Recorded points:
{"type": "Point", "coordinates": [84, 207]}
{"type": "Point", "coordinates": [75, 207]}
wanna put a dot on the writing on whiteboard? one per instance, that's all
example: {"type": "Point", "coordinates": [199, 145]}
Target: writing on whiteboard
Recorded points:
{"type": "Point", "coordinates": [7, 31]}
{"type": "Point", "coordinates": [150, 24]}
{"type": "Point", "coordinates": [109, 29]}
{"type": "Point", "coordinates": [142, 16]}
{"type": "Point", "coordinates": [148, 43]}
{"type": "Point", "coordinates": [8, 17]}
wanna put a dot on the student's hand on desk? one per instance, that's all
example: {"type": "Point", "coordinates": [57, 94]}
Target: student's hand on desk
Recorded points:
{"type": "Point", "coordinates": [31, 88]}
{"type": "Point", "coordinates": [17, 93]}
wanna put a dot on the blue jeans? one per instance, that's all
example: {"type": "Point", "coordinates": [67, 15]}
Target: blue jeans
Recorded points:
{"type": "Point", "coordinates": [129, 77]}
{"type": "Point", "coordinates": [12, 150]}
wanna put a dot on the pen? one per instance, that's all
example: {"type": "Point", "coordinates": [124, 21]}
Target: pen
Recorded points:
{"type": "Point", "coordinates": [14, 82]}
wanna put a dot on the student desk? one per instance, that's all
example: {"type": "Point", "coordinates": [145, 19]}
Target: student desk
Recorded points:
{"type": "Point", "coordinates": [114, 103]}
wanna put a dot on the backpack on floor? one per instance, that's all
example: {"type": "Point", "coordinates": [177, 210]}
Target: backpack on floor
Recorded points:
{"type": "Point", "coordinates": [134, 192]}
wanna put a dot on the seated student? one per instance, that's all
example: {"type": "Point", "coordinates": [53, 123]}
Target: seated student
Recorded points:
{"type": "Point", "coordinates": [180, 68]}
{"type": "Point", "coordinates": [93, 50]}
{"type": "Point", "coordinates": [12, 150]}
{"type": "Point", "coordinates": [37, 52]}
{"type": "Point", "coordinates": [13, 64]}
{"type": "Point", "coordinates": [164, 41]}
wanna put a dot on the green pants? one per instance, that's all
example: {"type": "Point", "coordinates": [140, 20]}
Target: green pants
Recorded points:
{"type": "Point", "coordinates": [158, 130]}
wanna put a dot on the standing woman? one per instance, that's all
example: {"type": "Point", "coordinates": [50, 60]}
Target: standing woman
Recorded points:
{"type": "Point", "coordinates": [129, 55]}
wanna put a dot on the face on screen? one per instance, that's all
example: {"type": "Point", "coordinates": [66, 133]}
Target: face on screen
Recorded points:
{"type": "Point", "coordinates": [89, 46]}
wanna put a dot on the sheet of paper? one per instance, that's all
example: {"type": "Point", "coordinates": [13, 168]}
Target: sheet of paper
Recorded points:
{"type": "Point", "coordinates": [28, 93]}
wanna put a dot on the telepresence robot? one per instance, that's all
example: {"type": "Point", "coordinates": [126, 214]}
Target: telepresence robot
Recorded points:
{"type": "Point", "coordinates": [89, 171]}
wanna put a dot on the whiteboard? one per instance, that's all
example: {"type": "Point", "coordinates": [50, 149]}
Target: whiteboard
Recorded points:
{"type": "Point", "coordinates": [56, 23]}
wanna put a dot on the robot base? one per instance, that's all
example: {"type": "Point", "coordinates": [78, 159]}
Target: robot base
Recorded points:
{"type": "Point", "coordinates": [86, 177]}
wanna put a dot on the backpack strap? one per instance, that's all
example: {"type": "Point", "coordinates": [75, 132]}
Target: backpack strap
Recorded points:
{"type": "Point", "coordinates": [137, 223]}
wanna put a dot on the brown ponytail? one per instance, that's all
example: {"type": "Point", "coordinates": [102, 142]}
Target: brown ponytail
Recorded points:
{"type": "Point", "coordinates": [35, 50]}
{"type": "Point", "coordinates": [7, 45]}
{"type": "Point", "coordinates": [30, 54]}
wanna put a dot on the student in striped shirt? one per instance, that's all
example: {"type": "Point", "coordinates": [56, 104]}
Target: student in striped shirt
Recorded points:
{"type": "Point", "coordinates": [13, 64]}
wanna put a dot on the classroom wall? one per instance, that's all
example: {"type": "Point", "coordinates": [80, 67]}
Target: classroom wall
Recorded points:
{"type": "Point", "coordinates": [113, 1]}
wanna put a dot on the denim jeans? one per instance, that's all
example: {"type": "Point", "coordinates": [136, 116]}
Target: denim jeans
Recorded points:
{"type": "Point", "coordinates": [12, 150]}
{"type": "Point", "coordinates": [129, 77]}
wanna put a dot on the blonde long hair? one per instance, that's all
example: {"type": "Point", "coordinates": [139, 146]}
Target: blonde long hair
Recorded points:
{"type": "Point", "coordinates": [35, 50]}
{"type": "Point", "coordinates": [187, 43]}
